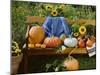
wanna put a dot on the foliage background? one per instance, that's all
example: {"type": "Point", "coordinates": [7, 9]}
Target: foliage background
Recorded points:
{"type": "Point", "coordinates": [20, 10]}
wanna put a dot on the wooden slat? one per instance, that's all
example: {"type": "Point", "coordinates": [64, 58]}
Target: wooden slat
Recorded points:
{"type": "Point", "coordinates": [52, 51]}
{"type": "Point", "coordinates": [32, 19]}
{"type": "Point", "coordinates": [76, 51]}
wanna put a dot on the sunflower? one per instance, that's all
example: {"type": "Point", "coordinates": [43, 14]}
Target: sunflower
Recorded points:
{"type": "Point", "coordinates": [49, 7]}
{"type": "Point", "coordinates": [62, 6]}
{"type": "Point", "coordinates": [76, 34]}
{"type": "Point", "coordinates": [82, 30]}
{"type": "Point", "coordinates": [54, 13]}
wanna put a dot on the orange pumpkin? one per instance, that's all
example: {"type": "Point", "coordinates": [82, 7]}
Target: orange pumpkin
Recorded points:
{"type": "Point", "coordinates": [71, 64]}
{"type": "Point", "coordinates": [36, 35]}
{"type": "Point", "coordinates": [89, 43]}
{"type": "Point", "coordinates": [52, 42]}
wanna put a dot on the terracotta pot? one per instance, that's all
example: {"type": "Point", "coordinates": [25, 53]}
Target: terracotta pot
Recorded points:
{"type": "Point", "coordinates": [15, 63]}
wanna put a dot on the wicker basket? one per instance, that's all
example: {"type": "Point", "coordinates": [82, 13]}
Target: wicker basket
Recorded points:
{"type": "Point", "coordinates": [15, 63]}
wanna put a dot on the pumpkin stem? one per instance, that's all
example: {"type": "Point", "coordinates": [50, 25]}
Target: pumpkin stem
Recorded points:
{"type": "Point", "coordinates": [70, 57]}
{"type": "Point", "coordinates": [52, 36]}
{"type": "Point", "coordinates": [69, 36]}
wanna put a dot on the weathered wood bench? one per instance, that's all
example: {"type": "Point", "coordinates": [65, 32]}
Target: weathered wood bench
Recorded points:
{"type": "Point", "coordinates": [50, 51]}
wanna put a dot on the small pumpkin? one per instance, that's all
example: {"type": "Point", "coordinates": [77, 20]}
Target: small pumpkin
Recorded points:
{"type": "Point", "coordinates": [37, 45]}
{"type": "Point", "coordinates": [81, 43]}
{"type": "Point", "coordinates": [89, 43]}
{"type": "Point", "coordinates": [36, 34]}
{"type": "Point", "coordinates": [31, 45]}
{"type": "Point", "coordinates": [71, 42]}
{"type": "Point", "coordinates": [71, 64]}
{"type": "Point", "coordinates": [52, 41]}
{"type": "Point", "coordinates": [43, 46]}
{"type": "Point", "coordinates": [93, 38]}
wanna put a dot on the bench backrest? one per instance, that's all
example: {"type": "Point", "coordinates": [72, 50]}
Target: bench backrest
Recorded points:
{"type": "Point", "coordinates": [32, 19]}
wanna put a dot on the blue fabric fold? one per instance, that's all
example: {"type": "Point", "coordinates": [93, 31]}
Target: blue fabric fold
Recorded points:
{"type": "Point", "coordinates": [55, 26]}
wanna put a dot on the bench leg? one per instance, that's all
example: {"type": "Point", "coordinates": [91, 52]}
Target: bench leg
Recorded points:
{"type": "Point", "coordinates": [25, 64]}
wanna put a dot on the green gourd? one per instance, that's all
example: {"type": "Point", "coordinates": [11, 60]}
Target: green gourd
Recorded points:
{"type": "Point", "coordinates": [75, 27]}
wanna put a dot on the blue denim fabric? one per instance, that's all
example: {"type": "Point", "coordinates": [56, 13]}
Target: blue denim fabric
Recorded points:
{"type": "Point", "coordinates": [55, 26]}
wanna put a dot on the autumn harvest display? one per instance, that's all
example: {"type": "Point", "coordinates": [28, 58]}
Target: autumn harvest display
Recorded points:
{"type": "Point", "coordinates": [62, 35]}
{"type": "Point", "coordinates": [80, 38]}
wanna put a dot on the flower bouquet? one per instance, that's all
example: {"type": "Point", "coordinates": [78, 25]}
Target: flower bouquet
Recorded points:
{"type": "Point", "coordinates": [16, 57]}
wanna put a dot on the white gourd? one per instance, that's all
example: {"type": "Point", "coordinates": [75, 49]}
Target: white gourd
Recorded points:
{"type": "Point", "coordinates": [70, 42]}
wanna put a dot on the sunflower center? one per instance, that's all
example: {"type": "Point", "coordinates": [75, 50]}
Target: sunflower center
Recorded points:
{"type": "Point", "coordinates": [82, 30]}
{"type": "Point", "coordinates": [54, 12]}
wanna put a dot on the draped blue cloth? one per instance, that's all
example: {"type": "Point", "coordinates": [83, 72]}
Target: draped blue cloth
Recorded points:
{"type": "Point", "coordinates": [56, 26]}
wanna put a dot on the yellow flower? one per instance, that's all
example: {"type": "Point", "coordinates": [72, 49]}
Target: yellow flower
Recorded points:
{"type": "Point", "coordinates": [54, 13]}
{"type": "Point", "coordinates": [76, 34]}
{"type": "Point", "coordinates": [15, 43]}
{"type": "Point", "coordinates": [13, 47]}
{"type": "Point", "coordinates": [62, 6]}
{"type": "Point", "coordinates": [17, 46]}
{"type": "Point", "coordinates": [19, 50]}
{"type": "Point", "coordinates": [12, 52]}
{"type": "Point", "coordinates": [49, 7]}
{"type": "Point", "coordinates": [82, 30]}
{"type": "Point", "coordinates": [16, 51]}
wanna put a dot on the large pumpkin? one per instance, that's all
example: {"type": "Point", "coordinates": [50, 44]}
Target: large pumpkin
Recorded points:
{"type": "Point", "coordinates": [36, 34]}
{"type": "Point", "coordinates": [52, 42]}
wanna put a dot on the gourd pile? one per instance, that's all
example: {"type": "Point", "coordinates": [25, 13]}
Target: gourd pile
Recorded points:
{"type": "Point", "coordinates": [82, 36]}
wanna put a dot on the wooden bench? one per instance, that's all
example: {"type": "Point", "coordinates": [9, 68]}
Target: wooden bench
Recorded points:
{"type": "Point", "coordinates": [49, 51]}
